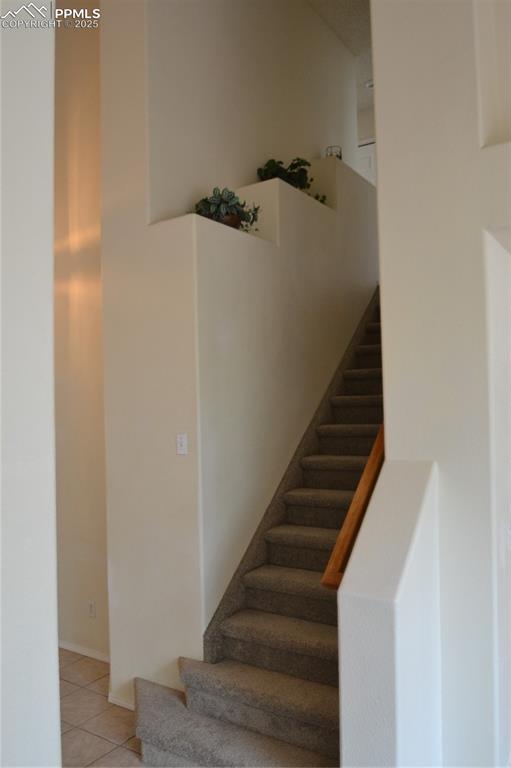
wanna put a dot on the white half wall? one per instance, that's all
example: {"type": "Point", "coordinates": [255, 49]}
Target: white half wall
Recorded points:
{"type": "Point", "coordinates": [389, 626]}
{"type": "Point", "coordinates": [30, 731]}
{"type": "Point", "coordinates": [232, 84]}
{"type": "Point", "coordinates": [81, 494]}
{"type": "Point", "coordinates": [438, 191]}
{"type": "Point", "coordinates": [497, 246]}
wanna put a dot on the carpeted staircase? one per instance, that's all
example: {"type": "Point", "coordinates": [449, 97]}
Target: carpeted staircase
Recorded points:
{"type": "Point", "coordinates": [267, 694]}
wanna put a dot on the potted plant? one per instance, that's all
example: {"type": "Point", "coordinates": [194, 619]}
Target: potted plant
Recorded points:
{"type": "Point", "coordinates": [226, 207]}
{"type": "Point", "coordinates": [296, 174]}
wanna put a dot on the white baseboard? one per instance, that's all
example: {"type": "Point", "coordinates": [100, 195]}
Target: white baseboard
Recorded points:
{"type": "Point", "coordinates": [81, 649]}
{"type": "Point", "coordinates": [121, 702]}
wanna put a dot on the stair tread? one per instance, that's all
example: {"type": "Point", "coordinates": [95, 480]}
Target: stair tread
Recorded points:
{"type": "Point", "coordinates": [284, 632]}
{"type": "Point", "coordinates": [305, 536]}
{"type": "Point", "coordinates": [289, 581]}
{"type": "Point", "coordinates": [368, 349]}
{"type": "Point", "coordinates": [318, 497]}
{"type": "Point", "coordinates": [164, 721]}
{"type": "Point", "coordinates": [347, 430]}
{"type": "Point", "coordinates": [333, 462]}
{"type": "Point", "coordinates": [285, 695]}
{"type": "Point", "coordinates": [363, 373]}
{"type": "Point", "coordinates": [357, 400]}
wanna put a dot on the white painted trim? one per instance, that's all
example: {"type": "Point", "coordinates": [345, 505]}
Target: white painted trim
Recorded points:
{"type": "Point", "coordinates": [84, 651]}
{"type": "Point", "coordinates": [120, 702]}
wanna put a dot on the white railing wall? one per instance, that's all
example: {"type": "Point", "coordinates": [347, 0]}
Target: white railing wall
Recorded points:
{"type": "Point", "coordinates": [389, 626]}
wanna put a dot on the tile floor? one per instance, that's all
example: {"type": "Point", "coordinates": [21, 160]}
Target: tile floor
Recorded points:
{"type": "Point", "coordinates": [94, 732]}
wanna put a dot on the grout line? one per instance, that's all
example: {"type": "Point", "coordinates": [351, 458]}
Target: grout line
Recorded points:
{"type": "Point", "coordinates": [101, 757]}
{"type": "Point", "coordinates": [85, 687]}
{"type": "Point", "coordinates": [104, 738]}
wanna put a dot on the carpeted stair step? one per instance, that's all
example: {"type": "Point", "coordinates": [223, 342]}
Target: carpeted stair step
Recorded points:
{"type": "Point", "coordinates": [290, 592]}
{"type": "Point", "coordinates": [347, 439]}
{"type": "Point", "coordinates": [300, 546]}
{"type": "Point", "coordinates": [317, 507]}
{"type": "Point", "coordinates": [372, 334]}
{"type": "Point", "coordinates": [333, 472]}
{"type": "Point", "coordinates": [363, 381]}
{"type": "Point", "coordinates": [297, 711]}
{"type": "Point", "coordinates": [305, 649]}
{"type": "Point", "coordinates": [174, 735]}
{"type": "Point", "coordinates": [367, 356]}
{"type": "Point", "coordinates": [358, 409]}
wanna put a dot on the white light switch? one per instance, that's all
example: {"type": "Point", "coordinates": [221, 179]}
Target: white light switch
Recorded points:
{"type": "Point", "coordinates": [182, 444]}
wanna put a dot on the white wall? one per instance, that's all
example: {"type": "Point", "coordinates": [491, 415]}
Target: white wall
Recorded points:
{"type": "Point", "coordinates": [437, 193]}
{"type": "Point", "coordinates": [161, 291]}
{"type": "Point", "coordinates": [81, 502]}
{"type": "Point", "coordinates": [365, 123]}
{"type": "Point", "coordinates": [30, 703]}
{"type": "Point", "coordinates": [498, 307]}
{"type": "Point", "coordinates": [233, 84]}
{"type": "Point", "coordinates": [150, 391]}
{"type": "Point", "coordinates": [389, 626]}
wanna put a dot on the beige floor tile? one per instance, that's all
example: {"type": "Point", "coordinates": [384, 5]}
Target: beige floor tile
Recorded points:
{"type": "Point", "coordinates": [67, 688]}
{"type": "Point", "coordinates": [65, 727]}
{"type": "Point", "coordinates": [116, 724]}
{"type": "Point", "coordinates": [135, 744]}
{"type": "Point", "coordinates": [68, 657]}
{"type": "Point", "coordinates": [85, 671]}
{"type": "Point", "coordinates": [80, 748]}
{"type": "Point", "coordinates": [100, 686]}
{"type": "Point", "coordinates": [82, 705]}
{"type": "Point", "coordinates": [119, 758]}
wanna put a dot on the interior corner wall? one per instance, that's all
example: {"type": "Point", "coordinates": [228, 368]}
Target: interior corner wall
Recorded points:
{"type": "Point", "coordinates": [233, 84]}
{"type": "Point", "coordinates": [81, 505]}
{"type": "Point", "coordinates": [438, 191]}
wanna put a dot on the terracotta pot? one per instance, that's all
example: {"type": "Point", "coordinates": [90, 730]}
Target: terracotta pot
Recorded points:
{"type": "Point", "coordinates": [232, 220]}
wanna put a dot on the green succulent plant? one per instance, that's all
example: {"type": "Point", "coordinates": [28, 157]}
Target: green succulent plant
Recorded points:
{"type": "Point", "coordinates": [225, 206]}
{"type": "Point", "coordinates": [296, 174]}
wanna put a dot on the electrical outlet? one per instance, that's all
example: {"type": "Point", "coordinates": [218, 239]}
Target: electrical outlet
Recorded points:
{"type": "Point", "coordinates": [182, 444]}
{"type": "Point", "coordinates": [92, 609]}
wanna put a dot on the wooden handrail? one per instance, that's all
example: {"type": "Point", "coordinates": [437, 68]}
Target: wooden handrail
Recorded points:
{"type": "Point", "coordinates": [351, 526]}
